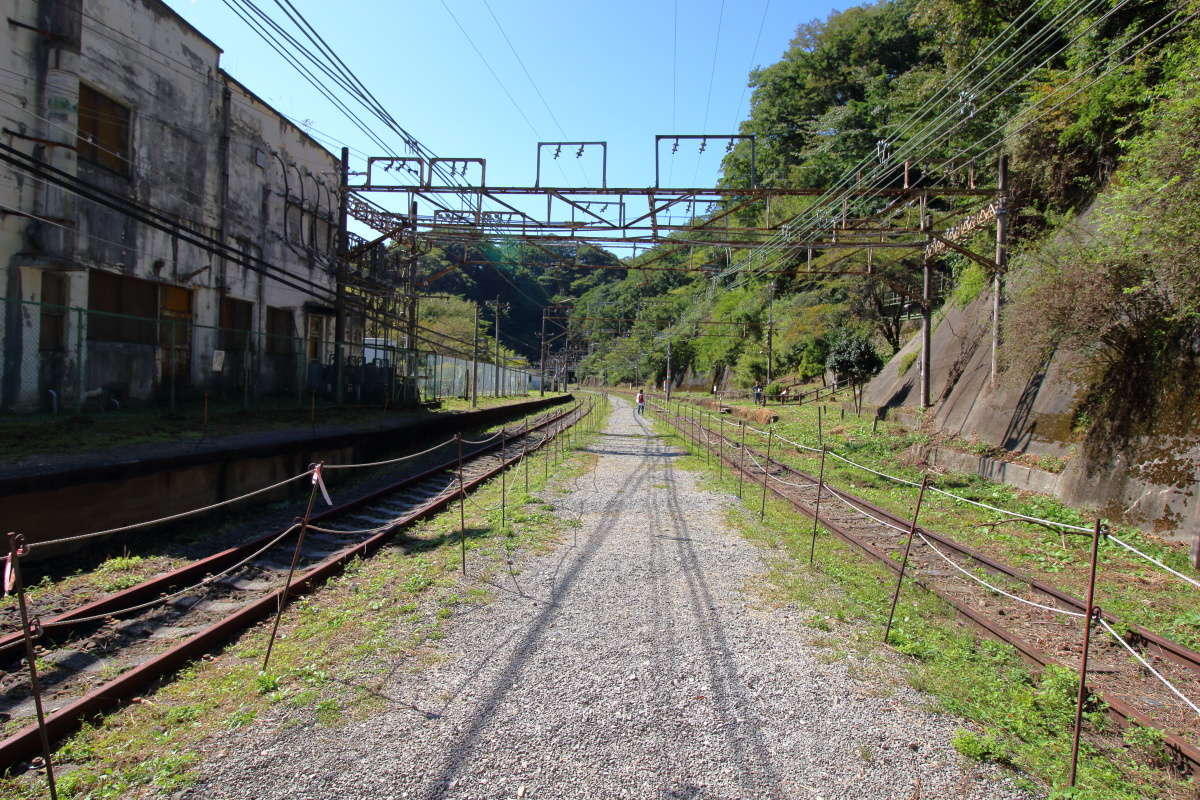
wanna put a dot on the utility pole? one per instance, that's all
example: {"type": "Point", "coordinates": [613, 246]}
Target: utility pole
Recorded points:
{"type": "Point", "coordinates": [497, 345]}
{"type": "Point", "coordinates": [343, 248]}
{"type": "Point", "coordinates": [668, 370]}
{"type": "Point", "coordinates": [542, 357]}
{"type": "Point", "coordinates": [770, 331]}
{"type": "Point", "coordinates": [410, 315]}
{"type": "Point", "coordinates": [474, 389]}
{"type": "Point", "coordinates": [926, 309]}
{"type": "Point", "coordinates": [1001, 261]}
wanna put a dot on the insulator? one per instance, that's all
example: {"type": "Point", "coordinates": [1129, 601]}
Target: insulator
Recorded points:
{"type": "Point", "coordinates": [579, 152]}
{"type": "Point", "coordinates": [675, 147]}
{"type": "Point", "coordinates": [558, 151]}
{"type": "Point", "coordinates": [703, 144]}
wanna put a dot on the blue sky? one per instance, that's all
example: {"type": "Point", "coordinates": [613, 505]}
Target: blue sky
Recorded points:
{"type": "Point", "coordinates": [604, 68]}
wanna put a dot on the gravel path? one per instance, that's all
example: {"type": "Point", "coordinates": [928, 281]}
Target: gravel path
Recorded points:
{"type": "Point", "coordinates": [642, 669]}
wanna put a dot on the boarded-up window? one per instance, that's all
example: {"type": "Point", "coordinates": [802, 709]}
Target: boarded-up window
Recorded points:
{"type": "Point", "coordinates": [281, 335]}
{"type": "Point", "coordinates": [175, 330]}
{"type": "Point", "coordinates": [295, 223]}
{"type": "Point", "coordinates": [322, 233]}
{"type": "Point", "coordinates": [54, 312]}
{"type": "Point", "coordinates": [103, 130]}
{"type": "Point", "coordinates": [123, 308]}
{"type": "Point", "coordinates": [235, 325]}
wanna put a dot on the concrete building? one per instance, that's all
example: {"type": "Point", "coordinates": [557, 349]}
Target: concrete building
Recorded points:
{"type": "Point", "coordinates": [101, 307]}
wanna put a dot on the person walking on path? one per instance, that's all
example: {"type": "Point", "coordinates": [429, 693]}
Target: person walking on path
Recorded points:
{"type": "Point", "coordinates": [641, 402]}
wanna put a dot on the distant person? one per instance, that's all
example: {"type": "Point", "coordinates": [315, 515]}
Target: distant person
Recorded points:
{"type": "Point", "coordinates": [758, 396]}
{"type": "Point", "coordinates": [641, 402]}
{"type": "Point", "coordinates": [783, 395]}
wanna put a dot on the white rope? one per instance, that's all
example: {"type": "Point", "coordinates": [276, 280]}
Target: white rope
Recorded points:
{"type": "Point", "coordinates": [484, 441]}
{"type": "Point", "coordinates": [186, 590]}
{"type": "Point", "coordinates": [847, 502]}
{"type": "Point", "coordinates": [797, 445]}
{"type": "Point", "coordinates": [790, 483]}
{"type": "Point", "coordinates": [171, 518]}
{"type": "Point", "coordinates": [1151, 559]}
{"type": "Point", "coordinates": [873, 471]}
{"type": "Point", "coordinates": [1015, 514]}
{"type": "Point", "coordinates": [996, 589]}
{"type": "Point", "coordinates": [1146, 664]}
{"type": "Point", "coordinates": [390, 460]}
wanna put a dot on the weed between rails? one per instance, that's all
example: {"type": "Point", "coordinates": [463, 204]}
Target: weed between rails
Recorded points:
{"type": "Point", "coordinates": [1018, 718]}
{"type": "Point", "coordinates": [335, 650]}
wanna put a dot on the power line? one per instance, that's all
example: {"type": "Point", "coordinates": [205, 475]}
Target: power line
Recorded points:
{"type": "Point", "coordinates": [737, 111]}
{"type": "Point", "coordinates": [532, 82]}
{"type": "Point", "coordinates": [487, 64]}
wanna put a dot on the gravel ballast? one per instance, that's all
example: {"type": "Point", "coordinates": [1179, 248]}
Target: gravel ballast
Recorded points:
{"type": "Point", "coordinates": [637, 662]}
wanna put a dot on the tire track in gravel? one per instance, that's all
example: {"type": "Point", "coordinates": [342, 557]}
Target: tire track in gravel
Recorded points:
{"type": "Point", "coordinates": [458, 754]}
{"type": "Point", "coordinates": [748, 748]}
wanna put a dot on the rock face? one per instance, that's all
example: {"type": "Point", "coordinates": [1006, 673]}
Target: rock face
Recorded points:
{"type": "Point", "coordinates": [1147, 479]}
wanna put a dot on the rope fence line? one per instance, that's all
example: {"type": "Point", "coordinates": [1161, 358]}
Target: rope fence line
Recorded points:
{"type": "Point", "coordinates": [952, 495]}
{"type": "Point", "coordinates": [1146, 664]}
{"type": "Point", "coordinates": [179, 593]}
{"type": "Point", "coordinates": [1153, 560]}
{"type": "Point", "coordinates": [390, 460]}
{"type": "Point", "coordinates": [996, 589]}
{"type": "Point", "coordinates": [181, 515]}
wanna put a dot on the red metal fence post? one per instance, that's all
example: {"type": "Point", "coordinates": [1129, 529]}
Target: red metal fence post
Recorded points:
{"type": "Point", "coordinates": [812, 549]}
{"type": "Point", "coordinates": [287, 585]}
{"type": "Point", "coordinates": [462, 506]}
{"type": "Point", "coordinates": [741, 458]}
{"type": "Point", "coordinates": [762, 506]}
{"type": "Point", "coordinates": [16, 549]}
{"type": "Point", "coordinates": [904, 562]}
{"type": "Point", "coordinates": [1090, 614]}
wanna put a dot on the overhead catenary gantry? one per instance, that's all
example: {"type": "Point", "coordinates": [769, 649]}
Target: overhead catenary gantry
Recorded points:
{"type": "Point", "coordinates": [858, 220]}
{"type": "Point", "coordinates": [459, 205]}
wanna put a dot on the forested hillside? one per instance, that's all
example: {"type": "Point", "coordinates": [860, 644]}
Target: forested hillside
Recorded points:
{"type": "Point", "coordinates": [1102, 118]}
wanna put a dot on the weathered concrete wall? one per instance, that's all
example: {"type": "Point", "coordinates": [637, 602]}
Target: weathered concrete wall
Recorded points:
{"type": "Point", "coordinates": [1149, 481]}
{"type": "Point", "coordinates": [202, 149]}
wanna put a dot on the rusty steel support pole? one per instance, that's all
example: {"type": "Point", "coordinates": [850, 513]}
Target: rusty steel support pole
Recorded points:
{"type": "Point", "coordinates": [904, 562]}
{"type": "Point", "coordinates": [741, 459]}
{"type": "Point", "coordinates": [812, 548]}
{"type": "Point", "coordinates": [287, 585]}
{"type": "Point", "coordinates": [525, 461]}
{"type": "Point", "coordinates": [1090, 615]}
{"type": "Point", "coordinates": [462, 506]}
{"type": "Point", "coordinates": [720, 445]}
{"type": "Point", "coordinates": [503, 482]}
{"type": "Point", "coordinates": [820, 427]}
{"type": "Point", "coordinates": [16, 549]}
{"type": "Point", "coordinates": [762, 506]}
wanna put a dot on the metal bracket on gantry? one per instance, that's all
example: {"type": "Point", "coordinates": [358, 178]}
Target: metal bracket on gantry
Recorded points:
{"type": "Point", "coordinates": [458, 166]}
{"type": "Point", "coordinates": [392, 165]}
{"type": "Point", "coordinates": [731, 138]}
{"type": "Point", "coordinates": [582, 147]}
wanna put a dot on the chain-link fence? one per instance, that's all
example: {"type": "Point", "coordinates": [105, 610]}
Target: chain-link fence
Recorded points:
{"type": "Point", "coordinates": [58, 357]}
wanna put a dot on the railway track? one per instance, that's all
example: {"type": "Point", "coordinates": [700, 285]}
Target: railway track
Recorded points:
{"type": "Point", "coordinates": [150, 630]}
{"type": "Point", "coordinates": [1043, 622]}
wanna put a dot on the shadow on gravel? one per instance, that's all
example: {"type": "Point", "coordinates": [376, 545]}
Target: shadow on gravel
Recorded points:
{"type": "Point", "coordinates": [749, 753]}
{"type": "Point", "coordinates": [458, 754]}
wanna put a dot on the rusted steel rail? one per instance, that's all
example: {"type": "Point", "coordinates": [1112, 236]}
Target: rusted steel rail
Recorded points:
{"type": "Point", "coordinates": [1186, 754]}
{"type": "Point", "coordinates": [25, 743]}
